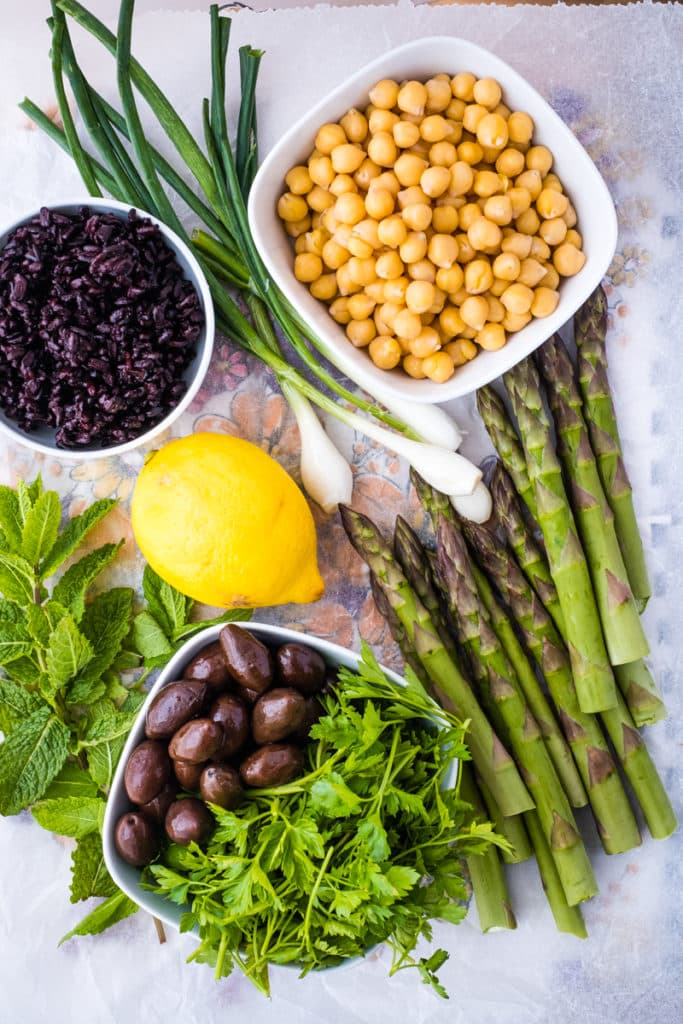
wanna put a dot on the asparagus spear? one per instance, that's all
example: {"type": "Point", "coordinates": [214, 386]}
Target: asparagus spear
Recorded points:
{"type": "Point", "coordinates": [531, 558]}
{"type": "Point", "coordinates": [568, 919]}
{"type": "Point", "coordinates": [486, 871]}
{"type": "Point", "coordinates": [506, 442]}
{"type": "Point", "coordinates": [613, 815]}
{"type": "Point", "coordinates": [510, 712]}
{"type": "Point", "coordinates": [591, 669]}
{"type": "Point", "coordinates": [448, 684]}
{"type": "Point", "coordinates": [590, 328]}
{"type": "Point", "coordinates": [640, 693]}
{"type": "Point", "coordinates": [624, 635]}
{"type": "Point", "coordinates": [512, 827]}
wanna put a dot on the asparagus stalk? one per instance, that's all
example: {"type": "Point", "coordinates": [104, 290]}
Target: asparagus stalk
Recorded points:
{"type": "Point", "coordinates": [486, 871]}
{"type": "Point", "coordinates": [640, 693]}
{"type": "Point", "coordinates": [624, 635]}
{"type": "Point", "coordinates": [590, 328]}
{"type": "Point", "coordinates": [397, 631]}
{"type": "Point", "coordinates": [591, 668]}
{"type": "Point", "coordinates": [614, 818]}
{"type": "Point", "coordinates": [512, 827]}
{"type": "Point", "coordinates": [568, 919]}
{"type": "Point", "coordinates": [512, 716]}
{"type": "Point", "coordinates": [506, 442]}
{"type": "Point", "coordinates": [448, 685]}
{"type": "Point", "coordinates": [531, 557]}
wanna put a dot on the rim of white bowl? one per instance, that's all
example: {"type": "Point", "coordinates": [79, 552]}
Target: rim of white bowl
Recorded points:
{"type": "Point", "coordinates": [404, 388]}
{"type": "Point", "coordinates": [192, 272]}
{"type": "Point", "coordinates": [127, 877]}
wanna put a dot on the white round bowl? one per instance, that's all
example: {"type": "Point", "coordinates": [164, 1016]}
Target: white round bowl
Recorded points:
{"type": "Point", "coordinates": [43, 439]}
{"type": "Point", "coordinates": [421, 59]}
{"type": "Point", "coordinates": [127, 877]}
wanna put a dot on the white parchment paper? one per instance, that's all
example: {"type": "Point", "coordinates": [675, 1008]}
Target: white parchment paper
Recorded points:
{"type": "Point", "coordinates": [615, 75]}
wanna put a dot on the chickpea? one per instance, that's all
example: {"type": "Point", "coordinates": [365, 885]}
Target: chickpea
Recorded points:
{"type": "Point", "coordinates": [385, 94]}
{"type": "Point", "coordinates": [345, 284]}
{"type": "Point", "coordinates": [568, 260]}
{"type": "Point", "coordinates": [412, 98]}
{"type": "Point", "coordinates": [291, 207]}
{"type": "Point", "coordinates": [528, 222]}
{"type": "Point", "coordinates": [385, 316]}
{"type": "Point", "coordinates": [382, 149]}
{"type": "Point", "coordinates": [438, 367]}
{"type": "Point", "coordinates": [552, 181]}
{"type": "Point", "coordinates": [334, 255]}
{"type": "Point", "coordinates": [498, 209]}
{"type": "Point", "coordinates": [506, 266]}
{"type": "Point", "coordinates": [314, 241]}
{"type": "Point", "coordinates": [414, 247]}
{"type": "Point", "coordinates": [320, 199]}
{"type": "Point", "coordinates": [462, 177]}
{"type": "Point", "coordinates": [366, 174]}
{"type": "Point", "coordinates": [343, 183]}
{"type": "Point", "coordinates": [445, 219]}
{"type": "Point", "coordinates": [360, 332]}
{"type": "Point", "coordinates": [551, 204]}
{"type": "Point", "coordinates": [439, 300]}
{"type": "Point", "coordinates": [539, 158]}
{"type": "Point", "coordinates": [443, 154]}
{"type": "Point", "coordinates": [516, 321]}
{"type": "Point", "coordinates": [381, 121]}
{"type": "Point", "coordinates": [439, 94]}
{"type": "Point", "coordinates": [426, 342]}
{"type": "Point", "coordinates": [408, 168]}
{"type": "Point", "coordinates": [420, 296]}
{"type": "Point", "coordinates": [531, 272]}
{"type": "Point", "coordinates": [299, 180]}
{"type": "Point", "coordinates": [329, 136]}
{"type": "Point", "coordinates": [360, 305]}
{"type": "Point", "coordinates": [466, 250]}
{"type": "Point", "coordinates": [454, 132]}
{"type": "Point", "coordinates": [520, 127]}
{"type": "Point", "coordinates": [492, 132]}
{"type": "Point", "coordinates": [418, 216]}
{"type": "Point", "coordinates": [367, 231]}
{"type": "Point", "coordinates": [545, 301]}
{"type": "Point", "coordinates": [487, 183]}
{"type": "Point", "coordinates": [539, 249]}
{"type": "Point", "coordinates": [570, 218]}
{"type": "Point", "coordinates": [349, 208]}
{"type": "Point", "coordinates": [379, 203]}
{"type": "Point", "coordinates": [422, 270]}
{"type": "Point", "coordinates": [357, 247]}
{"type": "Point", "coordinates": [300, 244]}
{"type": "Point", "coordinates": [455, 110]}
{"type": "Point", "coordinates": [435, 181]}
{"type": "Point", "coordinates": [407, 325]}
{"type": "Point", "coordinates": [362, 271]}
{"type": "Point", "coordinates": [510, 163]}
{"type": "Point", "coordinates": [487, 92]}
{"type": "Point", "coordinates": [392, 231]}
{"type": "Point", "coordinates": [433, 128]}
{"type": "Point", "coordinates": [496, 309]}
{"type": "Point", "coordinates": [324, 288]}
{"type": "Point", "coordinates": [355, 125]}
{"type": "Point", "coordinates": [339, 309]}
{"type": "Point", "coordinates": [573, 238]}
{"type": "Point", "coordinates": [413, 367]}
{"type": "Point", "coordinates": [385, 352]}
{"type": "Point", "coordinates": [461, 351]}
{"type": "Point", "coordinates": [389, 265]}
{"type": "Point", "coordinates": [470, 152]}
{"type": "Point", "coordinates": [474, 311]}
{"type": "Point", "coordinates": [531, 181]}
{"type": "Point", "coordinates": [411, 195]}
{"type": "Point", "coordinates": [498, 287]}
{"type": "Point", "coordinates": [468, 214]}
{"type": "Point", "coordinates": [484, 235]}
{"type": "Point", "coordinates": [474, 113]}
{"type": "Point", "coordinates": [405, 134]}
{"type": "Point", "coordinates": [551, 278]}
{"type": "Point", "coordinates": [450, 279]}
{"type": "Point", "coordinates": [478, 277]}
{"type": "Point", "coordinates": [491, 337]}
{"type": "Point", "coordinates": [517, 298]}
{"type": "Point", "coordinates": [295, 228]}
{"type": "Point", "coordinates": [307, 267]}
{"type": "Point", "coordinates": [450, 321]}
{"type": "Point", "coordinates": [443, 250]}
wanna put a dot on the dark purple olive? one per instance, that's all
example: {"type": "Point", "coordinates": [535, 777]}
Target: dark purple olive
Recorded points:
{"type": "Point", "coordinates": [272, 765]}
{"type": "Point", "coordinates": [156, 809]}
{"type": "Point", "coordinates": [209, 666]}
{"type": "Point", "coordinates": [313, 713]}
{"type": "Point", "coordinates": [301, 667]}
{"type": "Point", "coordinates": [249, 662]}
{"type": "Point", "coordinates": [147, 772]}
{"type": "Point", "coordinates": [196, 741]}
{"type": "Point", "coordinates": [188, 821]}
{"type": "Point", "coordinates": [277, 714]}
{"type": "Point", "coordinates": [136, 839]}
{"type": "Point", "coordinates": [176, 704]}
{"type": "Point", "coordinates": [232, 714]}
{"type": "Point", "coordinates": [188, 774]}
{"type": "Point", "coordinates": [220, 784]}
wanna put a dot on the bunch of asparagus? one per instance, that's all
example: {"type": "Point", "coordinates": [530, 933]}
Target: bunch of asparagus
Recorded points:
{"type": "Point", "coordinates": [529, 629]}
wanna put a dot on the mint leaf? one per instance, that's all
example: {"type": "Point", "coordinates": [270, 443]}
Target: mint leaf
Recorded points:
{"type": "Point", "coordinates": [15, 704]}
{"type": "Point", "coordinates": [68, 653]}
{"type": "Point", "coordinates": [85, 691]}
{"type": "Point", "coordinates": [35, 489]}
{"type": "Point", "coordinates": [16, 578]}
{"type": "Point", "coordinates": [113, 910]}
{"type": "Point", "coordinates": [149, 638]}
{"type": "Point", "coordinates": [107, 722]}
{"type": "Point", "coordinates": [168, 606]}
{"type": "Point", "coordinates": [30, 758]}
{"type": "Point", "coordinates": [15, 642]}
{"type": "Point", "coordinates": [89, 875]}
{"type": "Point", "coordinates": [103, 758]}
{"type": "Point", "coordinates": [73, 816]}
{"type": "Point", "coordinates": [72, 781]}
{"type": "Point", "coordinates": [71, 588]}
{"type": "Point", "coordinates": [24, 670]}
{"type": "Point", "coordinates": [25, 501]}
{"type": "Point", "coordinates": [11, 612]}
{"type": "Point", "coordinates": [192, 628]}
{"type": "Point", "coordinates": [106, 624]}
{"type": "Point", "coordinates": [75, 531]}
{"type": "Point", "coordinates": [43, 619]}
{"type": "Point", "coordinates": [10, 519]}
{"type": "Point", "coordinates": [41, 527]}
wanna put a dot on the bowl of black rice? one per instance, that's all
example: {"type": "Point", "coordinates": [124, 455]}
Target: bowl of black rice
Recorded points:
{"type": "Point", "coordinates": [106, 328]}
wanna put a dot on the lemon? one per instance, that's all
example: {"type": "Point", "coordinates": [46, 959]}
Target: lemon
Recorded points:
{"type": "Point", "coordinates": [221, 521]}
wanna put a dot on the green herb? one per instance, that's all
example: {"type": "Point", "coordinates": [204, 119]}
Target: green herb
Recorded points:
{"type": "Point", "coordinates": [323, 868]}
{"type": "Point", "coordinates": [65, 711]}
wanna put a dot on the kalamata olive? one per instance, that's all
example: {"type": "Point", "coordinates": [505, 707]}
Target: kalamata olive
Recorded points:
{"type": "Point", "coordinates": [147, 772]}
{"type": "Point", "coordinates": [313, 713]}
{"type": "Point", "coordinates": [188, 774]}
{"type": "Point", "coordinates": [156, 809]}
{"type": "Point", "coordinates": [188, 821]}
{"type": "Point", "coordinates": [301, 667]}
{"type": "Point", "coordinates": [272, 765]}
{"type": "Point", "coordinates": [209, 666]}
{"type": "Point", "coordinates": [176, 704]}
{"type": "Point", "coordinates": [136, 839]}
{"type": "Point", "coordinates": [249, 662]}
{"type": "Point", "coordinates": [232, 714]}
{"type": "Point", "coordinates": [277, 714]}
{"type": "Point", "coordinates": [196, 741]}
{"type": "Point", "coordinates": [220, 784]}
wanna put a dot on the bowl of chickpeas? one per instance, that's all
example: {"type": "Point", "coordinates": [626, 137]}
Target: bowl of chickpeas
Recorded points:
{"type": "Point", "coordinates": [433, 220]}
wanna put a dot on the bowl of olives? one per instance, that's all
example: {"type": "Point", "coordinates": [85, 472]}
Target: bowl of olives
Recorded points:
{"type": "Point", "coordinates": [229, 712]}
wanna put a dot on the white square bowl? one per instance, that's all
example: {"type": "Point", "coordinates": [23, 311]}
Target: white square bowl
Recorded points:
{"type": "Point", "coordinates": [421, 59]}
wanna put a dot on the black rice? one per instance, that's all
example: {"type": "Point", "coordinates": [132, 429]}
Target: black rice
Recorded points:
{"type": "Point", "coordinates": [97, 327]}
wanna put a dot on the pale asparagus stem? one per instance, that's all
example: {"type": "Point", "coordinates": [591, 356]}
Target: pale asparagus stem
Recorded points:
{"type": "Point", "coordinates": [486, 871]}
{"type": "Point", "coordinates": [558, 749]}
{"type": "Point", "coordinates": [641, 693]}
{"type": "Point", "coordinates": [448, 685]}
{"type": "Point", "coordinates": [512, 828]}
{"type": "Point", "coordinates": [506, 442]}
{"type": "Point", "coordinates": [591, 668]}
{"type": "Point", "coordinates": [504, 700]}
{"type": "Point", "coordinates": [590, 328]}
{"type": "Point", "coordinates": [567, 919]}
{"type": "Point", "coordinates": [614, 818]}
{"type": "Point", "coordinates": [531, 558]}
{"type": "Point", "coordinates": [624, 635]}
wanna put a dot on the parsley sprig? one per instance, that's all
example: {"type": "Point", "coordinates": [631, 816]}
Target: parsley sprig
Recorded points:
{"type": "Point", "coordinates": [364, 848]}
